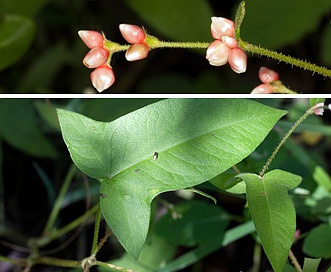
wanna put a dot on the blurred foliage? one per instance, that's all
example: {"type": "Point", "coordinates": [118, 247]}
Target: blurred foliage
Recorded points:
{"type": "Point", "coordinates": [42, 53]}
{"type": "Point", "coordinates": [31, 174]}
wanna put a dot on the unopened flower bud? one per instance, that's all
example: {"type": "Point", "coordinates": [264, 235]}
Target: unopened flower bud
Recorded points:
{"type": "Point", "coordinates": [262, 89]}
{"type": "Point", "coordinates": [102, 77]}
{"type": "Point", "coordinates": [237, 60]}
{"type": "Point", "coordinates": [137, 51]}
{"type": "Point", "coordinates": [217, 53]}
{"type": "Point", "coordinates": [267, 75]}
{"type": "Point", "coordinates": [318, 109]}
{"type": "Point", "coordinates": [229, 41]}
{"type": "Point", "coordinates": [96, 57]}
{"type": "Point", "coordinates": [132, 33]}
{"type": "Point", "coordinates": [221, 27]}
{"type": "Point", "coordinates": [91, 38]}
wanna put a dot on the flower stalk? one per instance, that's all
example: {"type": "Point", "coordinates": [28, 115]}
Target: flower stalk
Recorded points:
{"type": "Point", "coordinates": [227, 47]}
{"type": "Point", "coordinates": [310, 111]}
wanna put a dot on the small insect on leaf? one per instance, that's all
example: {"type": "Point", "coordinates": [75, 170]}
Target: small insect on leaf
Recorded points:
{"type": "Point", "coordinates": [156, 155]}
{"type": "Point", "coordinates": [102, 195]}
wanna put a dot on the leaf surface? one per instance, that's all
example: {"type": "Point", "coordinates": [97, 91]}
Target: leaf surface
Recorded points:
{"type": "Point", "coordinates": [177, 20]}
{"type": "Point", "coordinates": [281, 22]}
{"type": "Point", "coordinates": [16, 35]}
{"type": "Point", "coordinates": [273, 212]}
{"type": "Point", "coordinates": [195, 140]}
{"type": "Point", "coordinates": [21, 129]}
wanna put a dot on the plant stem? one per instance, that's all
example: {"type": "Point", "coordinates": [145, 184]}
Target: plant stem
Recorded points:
{"type": "Point", "coordinates": [256, 258]}
{"type": "Point", "coordinates": [64, 188]}
{"type": "Point", "coordinates": [164, 44]}
{"type": "Point", "coordinates": [281, 57]}
{"type": "Point", "coordinates": [287, 135]}
{"type": "Point", "coordinates": [114, 267]}
{"type": "Point", "coordinates": [58, 233]}
{"type": "Point", "coordinates": [295, 261]}
{"type": "Point", "coordinates": [95, 247]}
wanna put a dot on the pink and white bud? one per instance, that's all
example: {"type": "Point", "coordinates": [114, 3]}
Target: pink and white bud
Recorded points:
{"type": "Point", "coordinates": [318, 109]}
{"type": "Point", "coordinates": [262, 89]}
{"type": "Point", "coordinates": [102, 77]}
{"type": "Point", "coordinates": [132, 33]}
{"type": "Point", "coordinates": [237, 60]}
{"type": "Point", "coordinates": [221, 27]}
{"type": "Point", "coordinates": [217, 53]}
{"type": "Point", "coordinates": [96, 57]}
{"type": "Point", "coordinates": [91, 38]}
{"type": "Point", "coordinates": [267, 75]}
{"type": "Point", "coordinates": [229, 41]}
{"type": "Point", "coordinates": [137, 51]}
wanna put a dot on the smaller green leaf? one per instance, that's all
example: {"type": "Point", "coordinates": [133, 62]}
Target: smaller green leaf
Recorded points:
{"type": "Point", "coordinates": [22, 7]}
{"type": "Point", "coordinates": [20, 128]}
{"type": "Point", "coordinates": [48, 113]}
{"type": "Point", "coordinates": [317, 243]}
{"type": "Point", "coordinates": [16, 35]}
{"type": "Point", "coordinates": [208, 247]}
{"type": "Point", "coordinates": [154, 254]}
{"type": "Point", "coordinates": [314, 101]}
{"type": "Point", "coordinates": [230, 183]}
{"type": "Point", "coordinates": [192, 219]}
{"type": "Point", "coordinates": [273, 212]}
{"type": "Point", "coordinates": [178, 20]}
{"type": "Point", "coordinates": [311, 265]}
{"type": "Point", "coordinates": [258, 29]}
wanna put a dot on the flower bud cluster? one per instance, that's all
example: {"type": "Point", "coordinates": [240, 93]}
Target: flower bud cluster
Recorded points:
{"type": "Point", "coordinates": [225, 47]}
{"type": "Point", "coordinates": [97, 58]}
{"type": "Point", "coordinates": [136, 36]}
{"type": "Point", "coordinates": [267, 77]}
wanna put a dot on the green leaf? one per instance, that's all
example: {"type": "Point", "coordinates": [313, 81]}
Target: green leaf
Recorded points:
{"type": "Point", "coordinates": [230, 183]}
{"type": "Point", "coordinates": [208, 247]}
{"type": "Point", "coordinates": [325, 54]}
{"type": "Point", "coordinates": [177, 20]}
{"type": "Point", "coordinates": [281, 23]}
{"type": "Point", "coordinates": [317, 243]}
{"type": "Point", "coordinates": [192, 218]}
{"type": "Point", "coordinates": [311, 265]}
{"type": "Point", "coordinates": [35, 77]}
{"type": "Point", "coordinates": [21, 7]}
{"type": "Point", "coordinates": [315, 101]}
{"type": "Point", "coordinates": [20, 128]}
{"type": "Point", "coordinates": [196, 139]}
{"type": "Point", "coordinates": [154, 254]}
{"type": "Point", "coordinates": [273, 212]}
{"type": "Point", "coordinates": [16, 35]}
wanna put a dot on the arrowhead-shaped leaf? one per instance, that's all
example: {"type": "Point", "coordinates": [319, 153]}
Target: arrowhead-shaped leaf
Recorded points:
{"type": "Point", "coordinates": [172, 144]}
{"type": "Point", "coordinates": [273, 212]}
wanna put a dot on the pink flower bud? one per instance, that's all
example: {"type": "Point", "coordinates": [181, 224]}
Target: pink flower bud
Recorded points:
{"type": "Point", "coordinates": [318, 109]}
{"type": "Point", "coordinates": [221, 27]}
{"type": "Point", "coordinates": [91, 38]}
{"type": "Point", "coordinates": [262, 89]}
{"type": "Point", "coordinates": [217, 53]}
{"type": "Point", "coordinates": [102, 77]}
{"type": "Point", "coordinates": [137, 51]}
{"type": "Point", "coordinates": [229, 41]}
{"type": "Point", "coordinates": [96, 57]}
{"type": "Point", "coordinates": [237, 60]}
{"type": "Point", "coordinates": [132, 33]}
{"type": "Point", "coordinates": [267, 75]}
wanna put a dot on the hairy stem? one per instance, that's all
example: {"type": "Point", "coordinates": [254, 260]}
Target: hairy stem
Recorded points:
{"type": "Point", "coordinates": [287, 135]}
{"type": "Point", "coordinates": [281, 57]}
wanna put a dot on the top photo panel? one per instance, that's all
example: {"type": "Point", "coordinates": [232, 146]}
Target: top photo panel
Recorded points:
{"type": "Point", "coordinates": [165, 46]}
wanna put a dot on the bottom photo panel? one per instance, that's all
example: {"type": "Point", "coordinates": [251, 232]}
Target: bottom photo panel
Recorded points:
{"type": "Point", "coordinates": [178, 184]}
